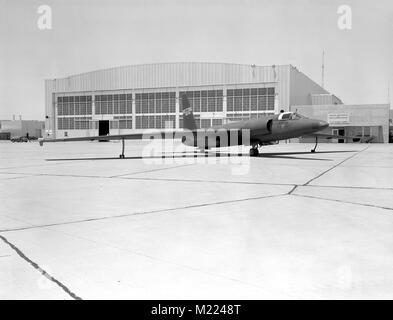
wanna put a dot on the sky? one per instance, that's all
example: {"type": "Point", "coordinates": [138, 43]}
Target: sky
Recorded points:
{"type": "Point", "coordinates": [91, 35]}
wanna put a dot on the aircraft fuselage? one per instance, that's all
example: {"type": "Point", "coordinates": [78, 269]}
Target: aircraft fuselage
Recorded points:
{"type": "Point", "coordinates": [259, 131]}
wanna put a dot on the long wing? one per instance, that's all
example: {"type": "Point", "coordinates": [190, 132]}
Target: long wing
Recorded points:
{"type": "Point", "coordinates": [131, 136]}
{"type": "Point", "coordinates": [333, 136]}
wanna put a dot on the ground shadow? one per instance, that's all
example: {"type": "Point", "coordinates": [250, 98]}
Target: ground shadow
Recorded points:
{"type": "Point", "coordinates": [280, 155]}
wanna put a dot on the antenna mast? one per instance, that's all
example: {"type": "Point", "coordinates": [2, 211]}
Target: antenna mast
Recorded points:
{"type": "Point", "coordinates": [323, 69]}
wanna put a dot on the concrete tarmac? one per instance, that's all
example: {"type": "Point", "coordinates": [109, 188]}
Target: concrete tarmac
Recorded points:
{"type": "Point", "coordinates": [77, 222]}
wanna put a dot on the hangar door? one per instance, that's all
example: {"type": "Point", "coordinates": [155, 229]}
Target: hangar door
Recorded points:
{"type": "Point", "coordinates": [103, 127]}
{"type": "Point", "coordinates": [339, 132]}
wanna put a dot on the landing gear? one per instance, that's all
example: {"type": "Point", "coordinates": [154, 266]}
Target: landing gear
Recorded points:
{"type": "Point", "coordinates": [316, 143]}
{"type": "Point", "coordinates": [254, 151]}
{"type": "Point", "coordinates": [122, 149]}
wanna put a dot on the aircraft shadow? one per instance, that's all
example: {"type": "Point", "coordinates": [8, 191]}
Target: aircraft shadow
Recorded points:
{"type": "Point", "coordinates": [279, 155]}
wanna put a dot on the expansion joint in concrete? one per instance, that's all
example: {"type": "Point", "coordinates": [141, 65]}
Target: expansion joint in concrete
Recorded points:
{"type": "Point", "coordinates": [40, 270]}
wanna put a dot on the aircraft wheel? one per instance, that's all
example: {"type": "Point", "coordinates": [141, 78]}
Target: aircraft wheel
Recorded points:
{"type": "Point", "coordinates": [254, 152]}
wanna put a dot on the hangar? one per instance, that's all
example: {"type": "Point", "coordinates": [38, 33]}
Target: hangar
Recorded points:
{"type": "Point", "coordinates": [131, 98]}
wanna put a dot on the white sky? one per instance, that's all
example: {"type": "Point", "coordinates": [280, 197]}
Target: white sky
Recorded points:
{"type": "Point", "coordinates": [91, 35]}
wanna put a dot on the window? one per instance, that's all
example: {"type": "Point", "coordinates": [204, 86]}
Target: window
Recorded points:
{"type": "Point", "coordinates": [211, 104]}
{"type": "Point", "coordinates": [217, 122]}
{"type": "Point", "coordinates": [113, 124]}
{"type": "Point", "coordinates": [158, 122]}
{"type": "Point", "coordinates": [196, 105]}
{"type": "Point", "coordinates": [165, 106]}
{"type": "Point", "coordinates": [145, 122]}
{"type": "Point", "coordinates": [73, 123]}
{"type": "Point", "coordinates": [172, 105]}
{"type": "Point", "coordinates": [151, 122]}
{"type": "Point", "coordinates": [97, 104]}
{"type": "Point", "coordinates": [250, 99]}
{"type": "Point", "coordinates": [60, 123]}
{"type": "Point", "coordinates": [205, 123]}
{"type": "Point", "coordinates": [138, 122]}
{"type": "Point", "coordinates": [116, 106]}
{"type": "Point", "coordinates": [158, 106]}
{"type": "Point", "coordinates": [128, 104]}
{"type": "Point", "coordinates": [238, 104]}
{"type": "Point", "coordinates": [151, 104]}
{"type": "Point", "coordinates": [203, 104]}
{"type": "Point", "coordinates": [204, 101]}
{"type": "Point", "coordinates": [230, 103]}
{"type": "Point", "coordinates": [109, 104]}
{"type": "Point", "coordinates": [122, 122]}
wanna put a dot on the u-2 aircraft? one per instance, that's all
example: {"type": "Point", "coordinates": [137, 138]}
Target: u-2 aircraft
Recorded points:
{"type": "Point", "coordinates": [261, 131]}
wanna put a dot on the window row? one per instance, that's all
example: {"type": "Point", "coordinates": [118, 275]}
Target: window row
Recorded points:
{"type": "Point", "coordinates": [203, 93]}
{"type": "Point", "coordinates": [121, 123]}
{"type": "Point", "coordinates": [74, 105]}
{"type": "Point", "coordinates": [74, 99]}
{"type": "Point", "coordinates": [74, 108]}
{"type": "Point", "coordinates": [245, 116]}
{"type": "Point", "coordinates": [205, 104]}
{"type": "Point", "coordinates": [203, 123]}
{"type": "Point", "coordinates": [113, 107]}
{"type": "Point", "coordinates": [250, 103]}
{"type": "Point", "coordinates": [155, 95]}
{"type": "Point", "coordinates": [113, 97]}
{"type": "Point", "coordinates": [77, 123]}
{"type": "Point", "coordinates": [155, 122]}
{"type": "Point", "coordinates": [250, 92]}
{"type": "Point", "coordinates": [155, 106]}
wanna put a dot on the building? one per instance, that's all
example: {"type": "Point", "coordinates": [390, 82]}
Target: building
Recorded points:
{"type": "Point", "coordinates": [369, 122]}
{"type": "Point", "coordinates": [18, 128]}
{"type": "Point", "coordinates": [131, 98]}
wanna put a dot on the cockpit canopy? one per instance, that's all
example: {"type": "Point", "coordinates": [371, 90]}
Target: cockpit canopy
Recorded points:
{"type": "Point", "coordinates": [289, 116]}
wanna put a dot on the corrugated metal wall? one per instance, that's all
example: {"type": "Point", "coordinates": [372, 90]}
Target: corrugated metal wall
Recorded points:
{"type": "Point", "coordinates": [325, 98]}
{"type": "Point", "coordinates": [302, 87]}
{"type": "Point", "coordinates": [318, 99]}
{"type": "Point", "coordinates": [169, 75]}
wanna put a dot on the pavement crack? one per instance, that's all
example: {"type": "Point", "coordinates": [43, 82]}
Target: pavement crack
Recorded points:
{"type": "Point", "coordinates": [335, 166]}
{"type": "Point", "coordinates": [342, 201]}
{"type": "Point", "coordinates": [207, 181]}
{"type": "Point", "coordinates": [42, 271]}
{"type": "Point", "coordinates": [167, 261]}
{"type": "Point", "coordinates": [293, 189]}
{"type": "Point", "coordinates": [152, 170]}
{"type": "Point", "coordinates": [144, 212]}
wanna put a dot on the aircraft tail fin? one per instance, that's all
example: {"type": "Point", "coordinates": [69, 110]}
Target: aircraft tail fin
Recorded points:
{"type": "Point", "coordinates": [188, 116]}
